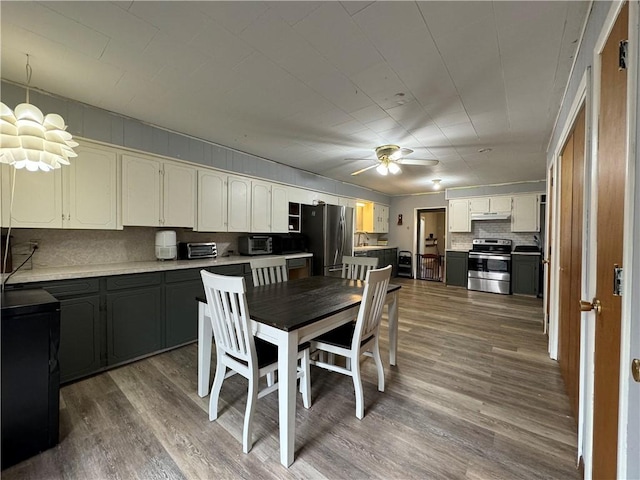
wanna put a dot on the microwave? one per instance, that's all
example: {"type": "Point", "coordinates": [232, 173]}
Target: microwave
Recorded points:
{"type": "Point", "coordinates": [193, 251]}
{"type": "Point", "coordinates": [255, 245]}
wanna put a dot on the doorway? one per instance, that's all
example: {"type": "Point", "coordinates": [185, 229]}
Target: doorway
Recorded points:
{"type": "Point", "coordinates": [430, 244]}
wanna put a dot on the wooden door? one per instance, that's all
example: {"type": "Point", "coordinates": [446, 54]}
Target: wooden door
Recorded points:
{"type": "Point", "coordinates": [612, 131]}
{"type": "Point", "coordinates": [570, 256]}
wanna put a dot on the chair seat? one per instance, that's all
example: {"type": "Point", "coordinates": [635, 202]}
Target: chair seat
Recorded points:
{"type": "Point", "coordinates": [268, 352]}
{"type": "Point", "coordinates": [341, 336]}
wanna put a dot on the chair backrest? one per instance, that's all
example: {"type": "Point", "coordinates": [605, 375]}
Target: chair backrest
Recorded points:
{"type": "Point", "coordinates": [356, 268]}
{"type": "Point", "coordinates": [266, 271]}
{"type": "Point", "coordinates": [229, 314]}
{"type": "Point", "coordinates": [373, 299]}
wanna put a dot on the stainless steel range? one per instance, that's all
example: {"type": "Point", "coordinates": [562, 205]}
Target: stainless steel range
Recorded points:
{"type": "Point", "coordinates": [490, 266]}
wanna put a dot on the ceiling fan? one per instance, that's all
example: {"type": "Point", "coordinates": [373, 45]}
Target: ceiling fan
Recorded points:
{"type": "Point", "coordinates": [390, 157]}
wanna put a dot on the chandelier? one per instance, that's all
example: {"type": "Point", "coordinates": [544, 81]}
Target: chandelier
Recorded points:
{"type": "Point", "coordinates": [31, 140]}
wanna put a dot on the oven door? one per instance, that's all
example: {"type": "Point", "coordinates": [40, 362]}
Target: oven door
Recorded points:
{"type": "Point", "coordinates": [489, 272]}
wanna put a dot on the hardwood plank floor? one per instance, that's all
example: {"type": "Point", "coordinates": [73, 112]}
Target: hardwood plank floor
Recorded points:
{"type": "Point", "coordinates": [474, 396]}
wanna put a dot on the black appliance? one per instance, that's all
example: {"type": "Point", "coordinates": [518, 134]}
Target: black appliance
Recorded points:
{"type": "Point", "coordinates": [194, 251]}
{"type": "Point", "coordinates": [489, 267]}
{"type": "Point", "coordinates": [405, 269]}
{"type": "Point", "coordinates": [288, 243]}
{"type": "Point", "coordinates": [30, 331]}
{"type": "Point", "coordinates": [329, 233]}
{"type": "Point", "coordinates": [255, 245]}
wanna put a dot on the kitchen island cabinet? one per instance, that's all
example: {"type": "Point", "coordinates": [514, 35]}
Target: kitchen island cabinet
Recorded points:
{"type": "Point", "coordinates": [385, 255]}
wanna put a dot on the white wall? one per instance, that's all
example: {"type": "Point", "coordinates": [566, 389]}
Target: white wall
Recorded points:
{"type": "Point", "coordinates": [403, 236]}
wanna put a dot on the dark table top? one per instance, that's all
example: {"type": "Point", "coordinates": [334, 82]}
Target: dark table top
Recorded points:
{"type": "Point", "coordinates": [297, 303]}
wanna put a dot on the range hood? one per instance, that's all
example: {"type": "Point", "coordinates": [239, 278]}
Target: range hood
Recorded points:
{"type": "Point", "coordinates": [491, 216]}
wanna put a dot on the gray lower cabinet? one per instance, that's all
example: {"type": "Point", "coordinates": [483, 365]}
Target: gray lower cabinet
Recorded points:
{"type": "Point", "coordinates": [81, 327]}
{"type": "Point", "coordinates": [134, 313]}
{"type": "Point", "coordinates": [525, 274]}
{"type": "Point", "coordinates": [456, 267]}
{"type": "Point", "coordinates": [180, 306]}
{"type": "Point", "coordinates": [385, 256]}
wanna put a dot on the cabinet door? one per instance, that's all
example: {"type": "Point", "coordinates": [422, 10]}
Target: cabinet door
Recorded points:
{"type": "Point", "coordinates": [212, 201]}
{"type": "Point", "coordinates": [134, 323]}
{"type": "Point", "coordinates": [456, 267]}
{"type": "Point", "coordinates": [526, 272]}
{"type": "Point", "coordinates": [90, 189]}
{"type": "Point", "coordinates": [37, 198]}
{"type": "Point", "coordinates": [239, 204]}
{"type": "Point", "coordinates": [500, 204]}
{"type": "Point", "coordinates": [140, 191]}
{"type": "Point", "coordinates": [525, 216]}
{"type": "Point", "coordinates": [479, 205]}
{"type": "Point", "coordinates": [80, 337]}
{"type": "Point", "coordinates": [181, 310]}
{"type": "Point", "coordinates": [459, 217]}
{"type": "Point", "coordinates": [260, 207]}
{"type": "Point", "coordinates": [383, 222]}
{"type": "Point", "coordinates": [179, 195]}
{"type": "Point", "coordinates": [279, 209]}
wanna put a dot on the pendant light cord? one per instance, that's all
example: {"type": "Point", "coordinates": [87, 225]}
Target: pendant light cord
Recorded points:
{"type": "Point", "coordinates": [29, 73]}
{"type": "Point", "coordinates": [6, 245]}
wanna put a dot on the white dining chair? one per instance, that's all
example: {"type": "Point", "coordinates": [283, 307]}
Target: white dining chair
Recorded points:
{"type": "Point", "coordinates": [356, 268]}
{"type": "Point", "coordinates": [266, 271]}
{"type": "Point", "coordinates": [360, 338]}
{"type": "Point", "coordinates": [238, 350]}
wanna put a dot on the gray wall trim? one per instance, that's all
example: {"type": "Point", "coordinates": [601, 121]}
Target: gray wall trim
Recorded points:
{"type": "Point", "coordinates": [538, 186]}
{"type": "Point", "coordinates": [101, 125]}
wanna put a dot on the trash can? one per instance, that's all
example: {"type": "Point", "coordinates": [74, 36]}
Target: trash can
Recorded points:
{"type": "Point", "coordinates": [404, 264]}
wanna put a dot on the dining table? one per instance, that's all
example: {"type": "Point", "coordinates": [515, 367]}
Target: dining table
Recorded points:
{"type": "Point", "coordinates": [287, 314]}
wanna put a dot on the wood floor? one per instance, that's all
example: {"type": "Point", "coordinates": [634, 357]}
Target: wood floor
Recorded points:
{"type": "Point", "coordinates": [474, 396]}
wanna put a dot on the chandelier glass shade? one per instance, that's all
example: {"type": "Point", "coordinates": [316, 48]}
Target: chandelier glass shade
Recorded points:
{"type": "Point", "coordinates": [31, 140]}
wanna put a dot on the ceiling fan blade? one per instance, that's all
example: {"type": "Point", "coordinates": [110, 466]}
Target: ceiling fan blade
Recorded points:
{"type": "Point", "coordinates": [364, 169]}
{"type": "Point", "coordinates": [406, 151]}
{"type": "Point", "coordinates": [416, 161]}
{"type": "Point", "coordinates": [362, 159]}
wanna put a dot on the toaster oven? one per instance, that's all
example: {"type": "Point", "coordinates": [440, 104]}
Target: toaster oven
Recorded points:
{"type": "Point", "coordinates": [192, 251]}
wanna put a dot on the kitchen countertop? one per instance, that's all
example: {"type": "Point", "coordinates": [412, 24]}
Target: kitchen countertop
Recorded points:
{"type": "Point", "coordinates": [526, 253]}
{"type": "Point", "coordinates": [85, 271]}
{"type": "Point", "coordinates": [372, 247]}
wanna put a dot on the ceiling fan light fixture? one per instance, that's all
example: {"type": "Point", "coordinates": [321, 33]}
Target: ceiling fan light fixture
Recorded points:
{"type": "Point", "coordinates": [382, 169]}
{"type": "Point", "coordinates": [394, 168]}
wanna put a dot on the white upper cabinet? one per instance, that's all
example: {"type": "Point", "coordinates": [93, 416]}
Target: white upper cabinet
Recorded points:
{"type": "Point", "coordinates": [501, 204]}
{"type": "Point", "coordinates": [459, 215]}
{"type": "Point", "coordinates": [157, 193]}
{"type": "Point", "coordinates": [178, 195]}
{"type": "Point", "coordinates": [375, 218]}
{"type": "Point", "coordinates": [269, 208]}
{"type": "Point", "coordinates": [239, 204]}
{"type": "Point", "coordinates": [526, 213]}
{"type": "Point", "coordinates": [260, 207]}
{"type": "Point", "coordinates": [212, 201]}
{"type": "Point", "coordinates": [141, 191]}
{"type": "Point", "coordinates": [82, 195]}
{"type": "Point", "coordinates": [279, 209]}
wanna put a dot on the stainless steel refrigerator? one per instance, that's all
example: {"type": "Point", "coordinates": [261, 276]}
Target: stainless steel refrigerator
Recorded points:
{"type": "Point", "coordinates": [329, 234]}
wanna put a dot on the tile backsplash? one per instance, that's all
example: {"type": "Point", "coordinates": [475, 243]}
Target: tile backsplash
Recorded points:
{"type": "Point", "coordinates": [61, 247]}
{"type": "Point", "coordinates": [491, 229]}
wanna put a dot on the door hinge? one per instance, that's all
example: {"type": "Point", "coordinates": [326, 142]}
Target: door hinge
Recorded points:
{"type": "Point", "coordinates": [617, 280]}
{"type": "Point", "coordinates": [622, 57]}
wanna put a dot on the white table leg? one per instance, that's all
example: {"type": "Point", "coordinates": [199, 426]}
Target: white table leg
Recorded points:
{"type": "Point", "coordinates": [205, 335]}
{"type": "Point", "coordinates": [393, 328]}
{"type": "Point", "coordinates": [287, 365]}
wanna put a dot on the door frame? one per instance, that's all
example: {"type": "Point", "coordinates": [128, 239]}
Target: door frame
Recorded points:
{"type": "Point", "coordinates": [630, 278]}
{"type": "Point", "coordinates": [414, 241]}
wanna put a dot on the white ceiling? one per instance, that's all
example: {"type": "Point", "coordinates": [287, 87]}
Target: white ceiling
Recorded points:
{"type": "Point", "coordinates": [309, 84]}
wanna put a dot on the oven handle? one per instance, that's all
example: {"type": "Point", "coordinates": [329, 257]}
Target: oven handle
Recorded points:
{"type": "Point", "coordinates": [484, 256]}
